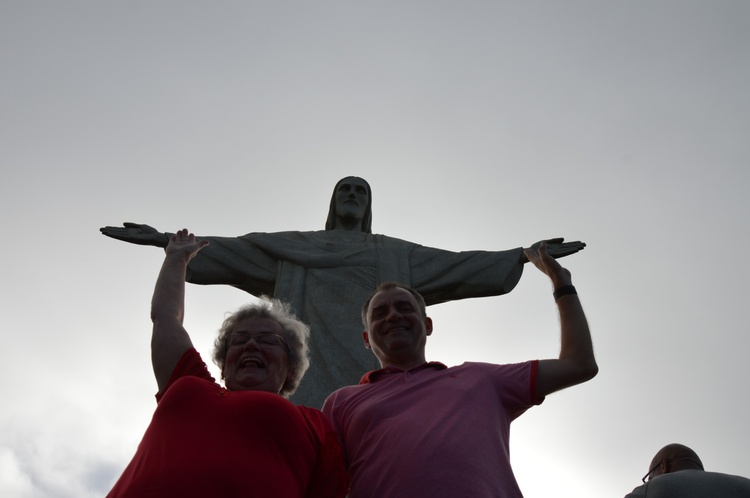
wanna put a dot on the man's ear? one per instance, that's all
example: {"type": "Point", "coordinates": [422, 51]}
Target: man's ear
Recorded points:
{"type": "Point", "coordinates": [366, 339]}
{"type": "Point", "coordinates": [428, 325]}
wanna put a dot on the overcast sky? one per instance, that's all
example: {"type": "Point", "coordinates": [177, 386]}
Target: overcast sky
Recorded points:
{"type": "Point", "coordinates": [479, 125]}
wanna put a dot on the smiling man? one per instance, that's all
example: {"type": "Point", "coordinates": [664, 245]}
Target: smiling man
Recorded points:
{"type": "Point", "coordinates": [397, 327]}
{"type": "Point", "coordinates": [326, 274]}
{"type": "Point", "coordinates": [415, 429]}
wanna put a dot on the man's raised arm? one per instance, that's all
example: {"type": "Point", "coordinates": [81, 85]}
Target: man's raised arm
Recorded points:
{"type": "Point", "coordinates": [576, 363]}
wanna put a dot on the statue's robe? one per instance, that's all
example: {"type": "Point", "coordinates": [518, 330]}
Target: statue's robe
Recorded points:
{"type": "Point", "coordinates": [326, 277]}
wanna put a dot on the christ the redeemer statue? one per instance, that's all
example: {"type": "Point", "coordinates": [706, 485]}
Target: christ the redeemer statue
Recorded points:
{"type": "Point", "coordinates": [326, 275]}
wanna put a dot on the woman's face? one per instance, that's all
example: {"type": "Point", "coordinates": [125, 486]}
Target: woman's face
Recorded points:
{"type": "Point", "coordinates": [256, 364]}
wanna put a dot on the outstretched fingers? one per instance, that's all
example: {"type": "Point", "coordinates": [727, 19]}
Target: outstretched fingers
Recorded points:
{"type": "Point", "coordinates": [560, 249]}
{"type": "Point", "coordinates": [185, 242]}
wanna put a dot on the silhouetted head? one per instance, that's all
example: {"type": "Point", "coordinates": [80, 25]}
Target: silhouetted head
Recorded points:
{"type": "Point", "coordinates": [674, 457]}
{"type": "Point", "coordinates": [351, 205]}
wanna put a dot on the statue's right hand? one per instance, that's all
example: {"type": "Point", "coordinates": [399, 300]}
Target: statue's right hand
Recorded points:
{"type": "Point", "coordinates": [137, 234]}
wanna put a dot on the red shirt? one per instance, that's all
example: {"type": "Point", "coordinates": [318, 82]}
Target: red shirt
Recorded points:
{"type": "Point", "coordinates": [205, 441]}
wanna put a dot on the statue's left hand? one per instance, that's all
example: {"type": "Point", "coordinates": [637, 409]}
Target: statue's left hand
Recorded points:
{"type": "Point", "coordinates": [556, 248]}
{"type": "Point", "coordinates": [136, 233]}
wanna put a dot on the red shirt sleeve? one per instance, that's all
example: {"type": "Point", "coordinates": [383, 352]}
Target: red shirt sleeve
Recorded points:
{"type": "Point", "coordinates": [190, 364]}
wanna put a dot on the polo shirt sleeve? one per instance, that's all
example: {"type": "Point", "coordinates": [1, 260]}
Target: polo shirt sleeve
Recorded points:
{"type": "Point", "coordinates": [515, 384]}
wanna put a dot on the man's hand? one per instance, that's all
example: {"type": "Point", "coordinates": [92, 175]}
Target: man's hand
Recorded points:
{"type": "Point", "coordinates": [540, 256]}
{"type": "Point", "coordinates": [137, 234]}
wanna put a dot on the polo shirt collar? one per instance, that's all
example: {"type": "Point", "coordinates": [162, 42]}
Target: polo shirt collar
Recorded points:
{"type": "Point", "coordinates": [376, 375]}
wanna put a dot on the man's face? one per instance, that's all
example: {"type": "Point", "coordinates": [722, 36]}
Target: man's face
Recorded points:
{"type": "Point", "coordinates": [351, 199]}
{"type": "Point", "coordinates": [396, 328]}
{"type": "Point", "coordinates": [255, 365]}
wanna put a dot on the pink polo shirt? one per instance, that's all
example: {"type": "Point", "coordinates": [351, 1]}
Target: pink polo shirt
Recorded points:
{"type": "Point", "coordinates": [433, 431]}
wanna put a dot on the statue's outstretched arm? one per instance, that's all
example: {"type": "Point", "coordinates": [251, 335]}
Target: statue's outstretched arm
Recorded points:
{"type": "Point", "coordinates": [137, 234]}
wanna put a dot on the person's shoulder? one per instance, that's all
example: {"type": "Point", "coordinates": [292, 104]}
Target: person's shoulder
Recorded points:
{"type": "Point", "coordinates": [479, 365]}
{"type": "Point", "coordinates": [190, 364]}
{"type": "Point", "coordinates": [735, 479]}
{"type": "Point", "coordinates": [312, 414]}
{"type": "Point", "coordinates": [188, 390]}
{"type": "Point", "coordinates": [343, 392]}
{"type": "Point", "coordinates": [637, 492]}
{"type": "Point", "coordinates": [500, 373]}
{"type": "Point", "coordinates": [341, 396]}
{"type": "Point", "coordinates": [699, 482]}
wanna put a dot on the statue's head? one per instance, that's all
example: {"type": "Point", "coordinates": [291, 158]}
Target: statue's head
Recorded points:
{"type": "Point", "coordinates": [351, 202]}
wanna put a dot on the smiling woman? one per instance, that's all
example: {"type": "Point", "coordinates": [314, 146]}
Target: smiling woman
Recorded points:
{"type": "Point", "coordinates": [267, 330]}
{"type": "Point", "coordinates": [209, 440]}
